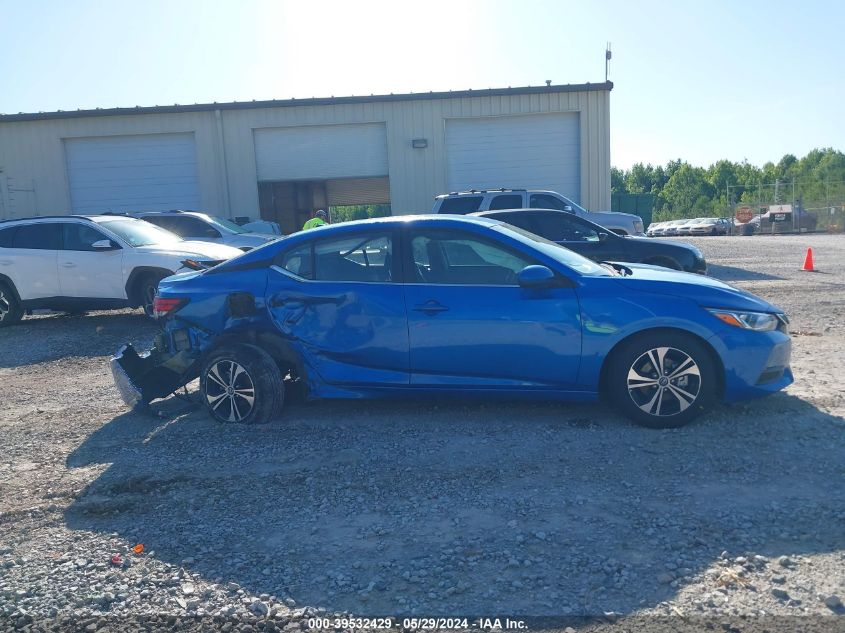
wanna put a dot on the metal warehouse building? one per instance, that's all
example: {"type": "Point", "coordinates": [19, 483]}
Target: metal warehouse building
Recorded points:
{"type": "Point", "coordinates": [280, 160]}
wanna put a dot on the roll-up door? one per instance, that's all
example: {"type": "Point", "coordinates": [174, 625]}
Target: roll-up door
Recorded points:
{"type": "Point", "coordinates": [538, 151]}
{"type": "Point", "coordinates": [138, 172]}
{"type": "Point", "coordinates": [321, 152]}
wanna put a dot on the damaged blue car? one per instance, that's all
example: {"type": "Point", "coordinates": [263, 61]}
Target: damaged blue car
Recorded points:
{"type": "Point", "coordinates": [436, 305]}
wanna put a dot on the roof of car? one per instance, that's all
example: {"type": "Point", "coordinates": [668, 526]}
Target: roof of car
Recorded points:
{"type": "Point", "coordinates": [94, 217]}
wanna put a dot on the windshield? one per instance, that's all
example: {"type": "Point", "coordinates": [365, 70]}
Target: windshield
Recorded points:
{"type": "Point", "coordinates": [560, 254]}
{"type": "Point", "coordinates": [140, 233]}
{"type": "Point", "coordinates": [227, 224]}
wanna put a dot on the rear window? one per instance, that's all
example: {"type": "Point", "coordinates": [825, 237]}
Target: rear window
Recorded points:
{"type": "Point", "coordinates": [42, 236]}
{"type": "Point", "coordinates": [461, 205]}
{"type": "Point", "coordinates": [7, 235]}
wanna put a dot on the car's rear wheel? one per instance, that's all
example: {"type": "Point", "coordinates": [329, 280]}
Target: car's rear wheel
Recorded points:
{"type": "Point", "coordinates": [242, 384]}
{"type": "Point", "coordinates": [11, 311]}
{"type": "Point", "coordinates": [662, 380]}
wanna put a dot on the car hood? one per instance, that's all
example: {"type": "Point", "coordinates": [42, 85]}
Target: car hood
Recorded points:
{"type": "Point", "coordinates": [206, 250]}
{"type": "Point", "coordinates": [705, 291]}
{"type": "Point", "coordinates": [253, 240]}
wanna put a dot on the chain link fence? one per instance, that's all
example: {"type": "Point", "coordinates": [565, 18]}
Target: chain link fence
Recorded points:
{"type": "Point", "coordinates": [790, 207]}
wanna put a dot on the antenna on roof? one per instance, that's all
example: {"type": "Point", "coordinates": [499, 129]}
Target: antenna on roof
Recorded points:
{"type": "Point", "coordinates": [548, 82]}
{"type": "Point", "coordinates": [607, 57]}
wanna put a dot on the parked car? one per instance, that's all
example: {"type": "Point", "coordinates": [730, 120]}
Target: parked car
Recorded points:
{"type": "Point", "coordinates": [464, 202]}
{"type": "Point", "coordinates": [672, 228]}
{"type": "Point", "coordinates": [73, 263]}
{"type": "Point", "coordinates": [653, 228]}
{"type": "Point", "coordinates": [597, 243]}
{"type": "Point", "coordinates": [194, 225]}
{"type": "Point", "coordinates": [707, 226]}
{"type": "Point", "coordinates": [805, 221]}
{"type": "Point", "coordinates": [434, 305]}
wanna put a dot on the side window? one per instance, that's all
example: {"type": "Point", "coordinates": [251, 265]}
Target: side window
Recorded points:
{"type": "Point", "coordinates": [7, 236]}
{"type": "Point", "coordinates": [545, 201]}
{"type": "Point", "coordinates": [506, 201]}
{"type": "Point", "coordinates": [357, 258]}
{"type": "Point", "coordinates": [461, 205]}
{"type": "Point", "coordinates": [452, 258]}
{"type": "Point", "coordinates": [562, 228]}
{"type": "Point", "coordinates": [80, 237]}
{"type": "Point", "coordinates": [42, 236]}
{"type": "Point", "coordinates": [299, 261]}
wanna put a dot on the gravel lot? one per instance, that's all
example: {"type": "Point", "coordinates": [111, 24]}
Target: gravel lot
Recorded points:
{"type": "Point", "coordinates": [429, 508]}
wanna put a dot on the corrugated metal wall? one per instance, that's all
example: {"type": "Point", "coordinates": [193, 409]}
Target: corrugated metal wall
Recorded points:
{"type": "Point", "coordinates": [31, 152]}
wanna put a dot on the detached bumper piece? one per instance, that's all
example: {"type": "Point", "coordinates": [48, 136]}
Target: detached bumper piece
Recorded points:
{"type": "Point", "coordinates": [141, 378]}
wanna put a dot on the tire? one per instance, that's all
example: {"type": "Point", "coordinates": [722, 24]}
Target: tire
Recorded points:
{"type": "Point", "coordinates": [11, 310]}
{"type": "Point", "coordinates": [634, 386]}
{"type": "Point", "coordinates": [146, 292]}
{"type": "Point", "coordinates": [254, 372]}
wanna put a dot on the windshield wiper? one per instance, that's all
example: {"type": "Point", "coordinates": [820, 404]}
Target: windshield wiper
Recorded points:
{"type": "Point", "coordinates": [618, 268]}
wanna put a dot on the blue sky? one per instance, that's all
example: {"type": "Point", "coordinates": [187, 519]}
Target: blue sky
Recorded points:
{"type": "Point", "coordinates": [698, 81]}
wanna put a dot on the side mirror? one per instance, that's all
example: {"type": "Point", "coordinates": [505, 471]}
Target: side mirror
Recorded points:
{"type": "Point", "coordinates": [103, 245]}
{"type": "Point", "coordinates": [603, 237]}
{"type": "Point", "coordinates": [568, 209]}
{"type": "Point", "coordinates": [536, 277]}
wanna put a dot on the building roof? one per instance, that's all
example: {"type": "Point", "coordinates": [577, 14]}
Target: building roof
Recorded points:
{"type": "Point", "coordinates": [314, 101]}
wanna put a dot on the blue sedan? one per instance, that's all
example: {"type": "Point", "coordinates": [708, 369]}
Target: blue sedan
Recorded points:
{"type": "Point", "coordinates": [421, 305]}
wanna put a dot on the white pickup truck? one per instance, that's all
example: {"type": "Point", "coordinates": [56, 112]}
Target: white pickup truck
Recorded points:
{"type": "Point", "coordinates": [463, 202]}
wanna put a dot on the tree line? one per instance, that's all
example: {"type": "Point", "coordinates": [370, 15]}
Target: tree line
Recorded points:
{"type": "Point", "coordinates": [684, 190]}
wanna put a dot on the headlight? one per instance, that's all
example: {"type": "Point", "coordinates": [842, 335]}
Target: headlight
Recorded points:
{"type": "Point", "coordinates": [758, 321]}
{"type": "Point", "coordinates": [638, 226]}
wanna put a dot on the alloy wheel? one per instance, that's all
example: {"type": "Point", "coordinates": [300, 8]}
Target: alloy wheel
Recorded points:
{"type": "Point", "coordinates": [664, 381]}
{"type": "Point", "coordinates": [5, 306]}
{"type": "Point", "coordinates": [229, 391]}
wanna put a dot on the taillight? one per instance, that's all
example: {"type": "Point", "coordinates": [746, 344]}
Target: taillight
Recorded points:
{"type": "Point", "coordinates": [162, 306]}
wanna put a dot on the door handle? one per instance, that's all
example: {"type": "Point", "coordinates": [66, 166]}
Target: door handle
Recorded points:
{"type": "Point", "coordinates": [430, 307]}
{"type": "Point", "coordinates": [68, 265]}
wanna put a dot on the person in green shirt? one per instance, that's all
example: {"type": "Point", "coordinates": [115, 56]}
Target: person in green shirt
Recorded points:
{"type": "Point", "coordinates": [320, 218]}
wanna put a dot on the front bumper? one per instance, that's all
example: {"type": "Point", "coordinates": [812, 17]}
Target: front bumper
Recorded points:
{"type": "Point", "coordinates": [756, 363]}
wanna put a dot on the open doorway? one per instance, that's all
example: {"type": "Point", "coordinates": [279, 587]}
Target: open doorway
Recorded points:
{"type": "Point", "coordinates": [291, 203]}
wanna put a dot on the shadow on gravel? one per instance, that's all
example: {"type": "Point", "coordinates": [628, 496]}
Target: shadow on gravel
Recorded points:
{"type": "Point", "coordinates": [732, 273]}
{"type": "Point", "coordinates": [63, 336]}
{"type": "Point", "coordinates": [395, 508]}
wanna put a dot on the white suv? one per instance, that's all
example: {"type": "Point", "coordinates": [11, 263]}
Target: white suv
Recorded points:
{"type": "Point", "coordinates": [73, 263]}
{"type": "Point", "coordinates": [464, 202]}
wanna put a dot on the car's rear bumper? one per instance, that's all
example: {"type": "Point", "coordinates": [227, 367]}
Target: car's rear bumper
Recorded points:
{"type": "Point", "coordinates": [141, 378]}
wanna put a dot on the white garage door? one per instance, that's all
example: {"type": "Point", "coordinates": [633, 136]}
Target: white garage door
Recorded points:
{"type": "Point", "coordinates": [538, 151]}
{"type": "Point", "coordinates": [321, 152]}
{"type": "Point", "coordinates": [125, 173]}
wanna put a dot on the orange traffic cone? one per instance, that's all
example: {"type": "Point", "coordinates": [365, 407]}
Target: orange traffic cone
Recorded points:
{"type": "Point", "coordinates": [808, 261]}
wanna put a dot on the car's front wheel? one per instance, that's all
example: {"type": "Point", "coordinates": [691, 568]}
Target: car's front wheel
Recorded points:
{"type": "Point", "coordinates": [147, 289]}
{"type": "Point", "coordinates": [662, 380]}
{"type": "Point", "coordinates": [11, 310]}
{"type": "Point", "coordinates": [242, 384]}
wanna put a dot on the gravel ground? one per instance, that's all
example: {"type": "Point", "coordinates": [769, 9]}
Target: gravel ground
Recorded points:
{"type": "Point", "coordinates": [429, 508]}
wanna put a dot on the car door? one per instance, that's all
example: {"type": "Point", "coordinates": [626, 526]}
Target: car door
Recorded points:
{"type": "Point", "coordinates": [472, 326]}
{"type": "Point", "coordinates": [340, 304]}
{"type": "Point", "coordinates": [88, 272]}
{"type": "Point", "coordinates": [35, 248]}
